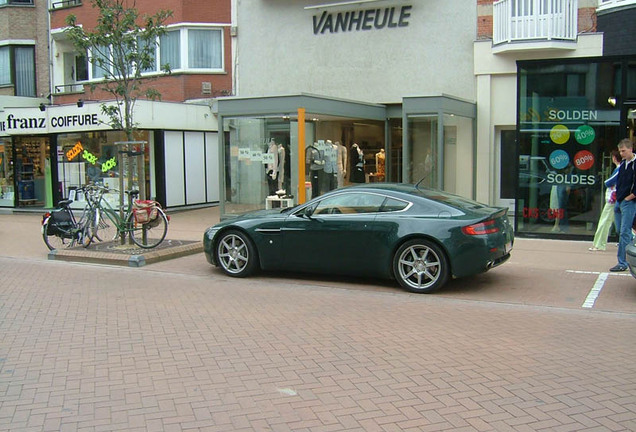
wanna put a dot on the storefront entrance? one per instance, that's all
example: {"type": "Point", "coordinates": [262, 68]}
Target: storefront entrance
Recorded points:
{"type": "Point", "coordinates": [25, 172]}
{"type": "Point", "coordinates": [429, 140]}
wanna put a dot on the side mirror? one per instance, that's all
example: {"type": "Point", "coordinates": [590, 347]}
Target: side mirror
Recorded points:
{"type": "Point", "coordinates": [308, 211]}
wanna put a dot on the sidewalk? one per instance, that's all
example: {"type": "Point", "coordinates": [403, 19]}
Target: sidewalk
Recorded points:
{"type": "Point", "coordinates": [20, 236]}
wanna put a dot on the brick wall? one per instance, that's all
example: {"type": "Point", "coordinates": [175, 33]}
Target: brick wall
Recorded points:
{"type": "Point", "coordinates": [484, 19]}
{"type": "Point", "coordinates": [198, 11]}
{"type": "Point", "coordinates": [176, 87]}
{"type": "Point", "coordinates": [30, 23]}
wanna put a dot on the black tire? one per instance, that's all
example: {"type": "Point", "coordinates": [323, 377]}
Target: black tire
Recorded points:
{"type": "Point", "coordinates": [55, 241]}
{"type": "Point", "coordinates": [236, 255]}
{"type": "Point", "coordinates": [420, 266]}
{"type": "Point", "coordinates": [151, 234]}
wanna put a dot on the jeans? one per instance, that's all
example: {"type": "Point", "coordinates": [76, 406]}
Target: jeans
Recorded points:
{"type": "Point", "coordinates": [624, 212]}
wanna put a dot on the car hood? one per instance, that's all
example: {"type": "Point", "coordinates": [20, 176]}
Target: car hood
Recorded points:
{"type": "Point", "coordinates": [257, 214]}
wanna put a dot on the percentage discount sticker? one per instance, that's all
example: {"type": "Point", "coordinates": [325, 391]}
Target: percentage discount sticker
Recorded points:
{"type": "Point", "coordinates": [584, 134]}
{"type": "Point", "coordinates": [583, 160]}
{"type": "Point", "coordinates": [559, 159]}
{"type": "Point", "coordinates": [559, 134]}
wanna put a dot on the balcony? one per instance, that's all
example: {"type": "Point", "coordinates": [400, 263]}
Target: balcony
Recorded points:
{"type": "Point", "coordinates": [534, 24]}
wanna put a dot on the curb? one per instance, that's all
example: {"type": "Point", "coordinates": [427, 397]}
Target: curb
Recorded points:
{"type": "Point", "coordinates": [136, 258]}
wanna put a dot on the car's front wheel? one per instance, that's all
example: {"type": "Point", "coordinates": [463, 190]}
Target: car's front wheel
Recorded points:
{"type": "Point", "coordinates": [420, 266]}
{"type": "Point", "coordinates": [236, 254]}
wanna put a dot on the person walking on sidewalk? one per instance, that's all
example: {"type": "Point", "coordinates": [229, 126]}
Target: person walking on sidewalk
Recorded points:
{"type": "Point", "coordinates": [625, 207]}
{"type": "Point", "coordinates": [606, 220]}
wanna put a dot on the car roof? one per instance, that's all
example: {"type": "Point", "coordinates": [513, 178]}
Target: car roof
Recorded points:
{"type": "Point", "coordinates": [436, 195]}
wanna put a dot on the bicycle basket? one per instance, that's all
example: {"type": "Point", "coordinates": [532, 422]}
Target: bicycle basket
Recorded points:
{"type": "Point", "coordinates": [145, 211]}
{"type": "Point", "coordinates": [60, 222]}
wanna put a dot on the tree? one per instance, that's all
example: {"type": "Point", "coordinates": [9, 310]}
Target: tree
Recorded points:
{"type": "Point", "coordinates": [122, 45]}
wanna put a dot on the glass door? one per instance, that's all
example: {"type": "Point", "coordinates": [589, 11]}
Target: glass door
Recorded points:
{"type": "Point", "coordinates": [31, 156]}
{"type": "Point", "coordinates": [7, 193]}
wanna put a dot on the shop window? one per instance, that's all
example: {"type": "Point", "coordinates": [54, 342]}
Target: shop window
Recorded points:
{"type": "Point", "coordinates": [258, 159]}
{"type": "Point", "coordinates": [7, 193]}
{"type": "Point", "coordinates": [566, 132]}
{"type": "Point", "coordinates": [91, 157]}
{"type": "Point", "coordinates": [423, 150]}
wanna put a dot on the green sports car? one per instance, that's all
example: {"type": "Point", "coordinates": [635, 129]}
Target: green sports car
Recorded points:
{"type": "Point", "coordinates": [420, 237]}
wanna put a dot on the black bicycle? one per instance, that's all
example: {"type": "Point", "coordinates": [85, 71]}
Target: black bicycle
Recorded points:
{"type": "Point", "coordinates": [60, 228]}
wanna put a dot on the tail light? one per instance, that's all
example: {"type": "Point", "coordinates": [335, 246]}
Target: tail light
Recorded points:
{"type": "Point", "coordinates": [481, 228]}
{"type": "Point", "coordinates": [45, 216]}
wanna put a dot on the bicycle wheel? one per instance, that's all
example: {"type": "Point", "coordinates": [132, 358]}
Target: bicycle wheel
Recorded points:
{"type": "Point", "coordinates": [54, 239]}
{"type": "Point", "coordinates": [103, 228]}
{"type": "Point", "coordinates": [86, 228]}
{"type": "Point", "coordinates": [150, 234]}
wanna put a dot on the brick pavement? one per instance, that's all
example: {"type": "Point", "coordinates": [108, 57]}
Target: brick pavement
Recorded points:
{"type": "Point", "coordinates": [86, 348]}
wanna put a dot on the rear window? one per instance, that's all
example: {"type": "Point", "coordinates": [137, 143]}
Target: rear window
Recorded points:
{"type": "Point", "coordinates": [449, 199]}
{"type": "Point", "coordinates": [392, 205]}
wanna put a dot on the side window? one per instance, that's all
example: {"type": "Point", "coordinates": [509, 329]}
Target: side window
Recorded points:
{"type": "Point", "coordinates": [350, 203]}
{"type": "Point", "coordinates": [392, 205]}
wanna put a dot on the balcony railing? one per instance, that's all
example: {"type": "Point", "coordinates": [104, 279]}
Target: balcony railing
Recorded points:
{"type": "Point", "coordinates": [16, 2]}
{"type": "Point", "coordinates": [60, 4]}
{"type": "Point", "coordinates": [68, 88]}
{"type": "Point", "coordinates": [608, 4]}
{"type": "Point", "coordinates": [534, 20]}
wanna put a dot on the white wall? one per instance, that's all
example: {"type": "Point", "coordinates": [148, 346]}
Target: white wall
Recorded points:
{"type": "Point", "coordinates": [191, 168]}
{"type": "Point", "coordinates": [278, 52]}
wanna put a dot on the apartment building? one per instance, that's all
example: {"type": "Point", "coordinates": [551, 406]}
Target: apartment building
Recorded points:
{"type": "Point", "coordinates": [177, 134]}
{"type": "Point", "coordinates": [24, 72]}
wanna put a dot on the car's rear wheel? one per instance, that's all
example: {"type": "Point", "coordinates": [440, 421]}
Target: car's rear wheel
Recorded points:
{"type": "Point", "coordinates": [236, 254]}
{"type": "Point", "coordinates": [420, 266]}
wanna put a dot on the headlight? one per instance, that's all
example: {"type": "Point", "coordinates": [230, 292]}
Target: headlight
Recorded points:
{"type": "Point", "coordinates": [211, 232]}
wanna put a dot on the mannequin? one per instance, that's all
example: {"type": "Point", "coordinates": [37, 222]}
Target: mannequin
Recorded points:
{"type": "Point", "coordinates": [341, 163]}
{"type": "Point", "coordinates": [379, 162]}
{"type": "Point", "coordinates": [314, 158]}
{"type": "Point", "coordinates": [331, 167]}
{"type": "Point", "coordinates": [272, 168]}
{"type": "Point", "coordinates": [357, 164]}
{"type": "Point", "coordinates": [281, 166]}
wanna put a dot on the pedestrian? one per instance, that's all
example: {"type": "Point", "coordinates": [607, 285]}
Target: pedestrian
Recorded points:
{"type": "Point", "coordinates": [625, 207]}
{"type": "Point", "coordinates": [606, 220]}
